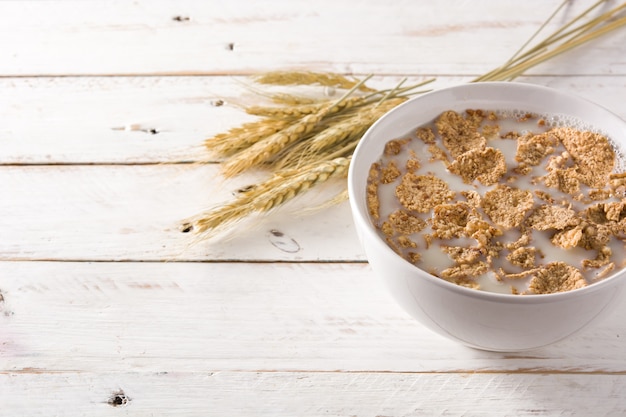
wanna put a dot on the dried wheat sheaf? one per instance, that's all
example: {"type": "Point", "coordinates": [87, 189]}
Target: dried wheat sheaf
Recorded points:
{"type": "Point", "coordinates": [303, 142]}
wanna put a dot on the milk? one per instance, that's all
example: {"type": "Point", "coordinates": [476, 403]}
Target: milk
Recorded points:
{"type": "Point", "coordinates": [433, 260]}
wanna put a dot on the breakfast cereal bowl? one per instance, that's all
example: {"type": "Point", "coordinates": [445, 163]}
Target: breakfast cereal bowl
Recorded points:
{"type": "Point", "coordinates": [466, 308]}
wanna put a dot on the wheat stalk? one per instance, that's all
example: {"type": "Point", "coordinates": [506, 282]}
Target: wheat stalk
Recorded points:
{"type": "Point", "coordinates": [309, 141]}
{"type": "Point", "coordinates": [309, 78]}
{"type": "Point", "coordinates": [267, 148]}
{"type": "Point", "coordinates": [296, 111]}
{"type": "Point", "coordinates": [560, 41]}
{"type": "Point", "coordinates": [244, 136]}
{"type": "Point", "coordinates": [283, 186]}
{"type": "Point", "coordinates": [344, 129]}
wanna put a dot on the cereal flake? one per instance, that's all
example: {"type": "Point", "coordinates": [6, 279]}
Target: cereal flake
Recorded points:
{"type": "Point", "coordinates": [406, 223]}
{"type": "Point", "coordinates": [484, 165]}
{"type": "Point", "coordinates": [450, 220]}
{"type": "Point", "coordinates": [459, 134]}
{"type": "Point", "coordinates": [507, 206]}
{"type": "Point", "coordinates": [592, 152]}
{"type": "Point", "coordinates": [556, 277]}
{"type": "Point", "coordinates": [532, 149]}
{"type": "Point", "coordinates": [547, 217]}
{"type": "Point", "coordinates": [422, 192]}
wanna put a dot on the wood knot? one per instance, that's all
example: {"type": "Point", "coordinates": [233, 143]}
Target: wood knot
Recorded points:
{"type": "Point", "coordinates": [118, 399]}
{"type": "Point", "coordinates": [285, 243]}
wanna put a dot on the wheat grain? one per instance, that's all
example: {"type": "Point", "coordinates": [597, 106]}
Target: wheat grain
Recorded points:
{"type": "Point", "coordinates": [281, 187]}
{"type": "Point", "coordinates": [319, 145]}
{"type": "Point", "coordinates": [285, 111]}
{"type": "Point", "coordinates": [291, 100]}
{"type": "Point", "coordinates": [309, 78]}
{"type": "Point", "coordinates": [244, 136]}
{"type": "Point", "coordinates": [304, 109]}
{"type": "Point", "coordinates": [267, 148]}
{"type": "Point", "coordinates": [352, 126]}
{"type": "Point", "coordinates": [337, 132]}
{"type": "Point", "coordinates": [304, 153]}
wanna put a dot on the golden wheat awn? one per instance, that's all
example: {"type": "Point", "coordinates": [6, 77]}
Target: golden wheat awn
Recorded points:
{"type": "Point", "coordinates": [268, 147]}
{"type": "Point", "coordinates": [242, 137]}
{"type": "Point", "coordinates": [291, 99]}
{"type": "Point", "coordinates": [308, 78]}
{"type": "Point", "coordinates": [353, 125]}
{"type": "Point", "coordinates": [296, 181]}
{"type": "Point", "coordinates": [283, 186]}
{"type": "Point", "coordinates": [311, 140]}
{"type": "Point", "coordinates": [285, 111]}
{"type": "Point", "coordinates": [304, 109]}
{"type": "Point", "coordinates": [263, 131]}
{"type": "Point", "coordinates": [331, 136]}
{"type": "Point", "coordinates": [272, 142]}
{"type": "Point", "coordinates": [343, 129]}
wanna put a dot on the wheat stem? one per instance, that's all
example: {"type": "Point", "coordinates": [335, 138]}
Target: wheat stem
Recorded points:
{"type": "Point", "coordinates": [536, 33]}
{"type": "Point", "coordinates": [267, 148]}
{"type": "Point", "coordinates": [574, 33]}
{"type": "Point", "coordinates": [516, 56]}
{"type": "Point", "coordinates": [540, 53]}
{"type": "Point", "coordinates": [518, 69]}
{"type": "Point", "coordinates": [315, 141]}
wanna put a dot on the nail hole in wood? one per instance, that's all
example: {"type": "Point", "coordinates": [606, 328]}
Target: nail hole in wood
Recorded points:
{"type": "Point", "coordinates": [230, 46]}
{"type": "Point", "coordinates": [118, 399]}
{"type": "Point", "coordinates": [153, 131]}
{"type": "Point", "coordinates": [246, 188]}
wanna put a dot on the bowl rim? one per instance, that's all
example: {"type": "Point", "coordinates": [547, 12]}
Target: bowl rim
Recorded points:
{"type": "Point", "coordinates": [360, 214]}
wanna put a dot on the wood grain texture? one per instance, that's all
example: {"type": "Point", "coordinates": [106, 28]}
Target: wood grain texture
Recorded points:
{"type": "Point", "coordinates": [193, 317]}
{"type": "Point", "coordinates": [215, 37]}
{"type": "Point", "coordinates": [108, 309]}
{"type": "Point", "coordinates": [312, 394]}
{"type": "Point", "coordinates": [135, 212]}
{"type": "Point", "coordinates": [82, 120]}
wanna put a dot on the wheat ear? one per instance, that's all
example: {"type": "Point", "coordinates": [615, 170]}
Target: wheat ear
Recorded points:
{"type": "Point", "coordinates": [270, 146]}
{"type": "Point", "coordinates": [300, 111]}
{"type": "Point", "coordinates": [244, 136]}
{"type": "Point", "coordinates": [335, 134]}
{"type": "Point", "coordinates": [283, 186]}
{"type": "Point", "coordinates": [309, 78]}
{"type": "Point", "coordinates": [291, 99]}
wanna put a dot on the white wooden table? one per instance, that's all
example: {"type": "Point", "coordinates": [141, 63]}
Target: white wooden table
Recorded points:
{"type": "Point", "coordinates": [107, 309]}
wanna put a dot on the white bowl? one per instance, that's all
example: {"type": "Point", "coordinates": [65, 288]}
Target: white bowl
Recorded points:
{"type": "Point", "coordinates": [490, 321]}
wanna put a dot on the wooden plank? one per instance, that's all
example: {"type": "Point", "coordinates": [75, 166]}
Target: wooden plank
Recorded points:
{"type": "Point", "coordinates": [311, 394]}
{"type": "Point", "coordinates": [187, 37]}
{"type": "Point", "coordinates": [88, 125]}
{"type": "Point", "coordinates": [135, 212]}
{"type": "Point", "coordinates": [59, 317]}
